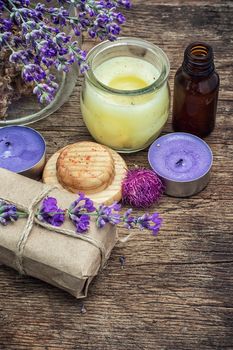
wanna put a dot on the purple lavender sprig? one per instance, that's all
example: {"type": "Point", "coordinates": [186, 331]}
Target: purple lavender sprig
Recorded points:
{"type": "Point", "coordinates": [8, 213]}
{"type": "Point", "coordinates": [80, 213]}
{"type": "Point", "coordinates": [50, 213]}
{"type": "Point", "coordinates": [108, 214]}
{"type": "Point", "coordinates": [35, 35]}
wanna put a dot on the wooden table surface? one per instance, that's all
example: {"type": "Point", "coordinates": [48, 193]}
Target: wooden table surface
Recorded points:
{"type": "Point", "coordinates": [175, 291]}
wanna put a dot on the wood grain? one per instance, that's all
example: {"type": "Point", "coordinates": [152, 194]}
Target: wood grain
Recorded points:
{"type": "Point", "coordinates": [175, 291]}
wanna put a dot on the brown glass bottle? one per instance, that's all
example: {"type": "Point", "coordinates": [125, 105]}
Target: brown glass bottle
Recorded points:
{"type": "Point", "coordinates": [196, 89]}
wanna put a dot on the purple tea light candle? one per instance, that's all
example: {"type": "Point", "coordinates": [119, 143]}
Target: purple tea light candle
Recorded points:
{"type": "Point", "coordinates": [183, 161]}
{"type": "Point", "coordinates": [22, 150]}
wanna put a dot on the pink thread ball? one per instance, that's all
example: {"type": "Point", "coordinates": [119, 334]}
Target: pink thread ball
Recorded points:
{"type": "Point", "coordinates": [141, 188]}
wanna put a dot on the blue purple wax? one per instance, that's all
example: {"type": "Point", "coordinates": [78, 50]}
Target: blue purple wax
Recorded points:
{"type": "Point", "coordinates": [180, 157]}
{"type": "Point", "coordinates": [21, 148]}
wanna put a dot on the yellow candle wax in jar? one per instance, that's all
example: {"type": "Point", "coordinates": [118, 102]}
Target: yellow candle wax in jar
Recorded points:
{"type": "Point", "coordinates": [124, 112]}
{"type": "Point", "coordinates": [127, 82]}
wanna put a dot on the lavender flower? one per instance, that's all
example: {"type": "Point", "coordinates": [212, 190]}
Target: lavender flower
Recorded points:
{"type": "Point", "coordinates": [150, 222]}
{"type": "Point", "coordinates": [35, 36]}
{"type": "Point", "coordinates": [8, 213]}
{"type": "Point", "coordinates": [80, 213]}
{"type": "Point", "coordinates": [82, 209]}
{"type": "Point", "coordinates": [108, 214]}
{"type": "Point", "coordinates": [129, 220]}
{"type": "Point", "coordinates": [50, 212]}
{"type": "Point", "coordinates": [81, 222]}
{"type": "Point", "coordinates": [77, 213]}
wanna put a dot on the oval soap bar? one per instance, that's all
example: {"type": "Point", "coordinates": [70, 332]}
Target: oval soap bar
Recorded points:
{"type": "Point", "coordinates": [85, 166]}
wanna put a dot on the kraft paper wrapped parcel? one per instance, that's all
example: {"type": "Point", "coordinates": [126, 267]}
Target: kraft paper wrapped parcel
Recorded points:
{"type": "Point", "coordinates": [67, 260]}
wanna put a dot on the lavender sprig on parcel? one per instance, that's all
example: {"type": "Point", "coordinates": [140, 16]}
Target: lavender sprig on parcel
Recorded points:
{"type": "Point", "coordinates": [80, 212]}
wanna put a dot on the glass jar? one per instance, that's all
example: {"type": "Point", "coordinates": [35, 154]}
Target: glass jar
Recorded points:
{"type": "Point", "coordinates": [28, 110]}
{"type": "Point", "coordinates": [125, 98]}
{"type": "Point", "coordinates": [196, 88]}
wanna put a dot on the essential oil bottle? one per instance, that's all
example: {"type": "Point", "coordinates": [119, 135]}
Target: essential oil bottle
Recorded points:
{"type": "Point", "coordinates": [196, 88]}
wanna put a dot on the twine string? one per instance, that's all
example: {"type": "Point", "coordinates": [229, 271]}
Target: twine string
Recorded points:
{"type": "Point", "coordinates": [27, 229]}
{"type": "Point", "coordinates": [128, 237]}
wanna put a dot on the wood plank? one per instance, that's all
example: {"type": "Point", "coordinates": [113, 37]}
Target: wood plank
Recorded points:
{"type": "Point", "coordinates": [175, 291]}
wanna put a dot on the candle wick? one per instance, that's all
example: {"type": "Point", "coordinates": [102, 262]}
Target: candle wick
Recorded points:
{"type": "Point", "coordinates": [7, 143]}
{"type": "Point", "coordinates": [180, 162]}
